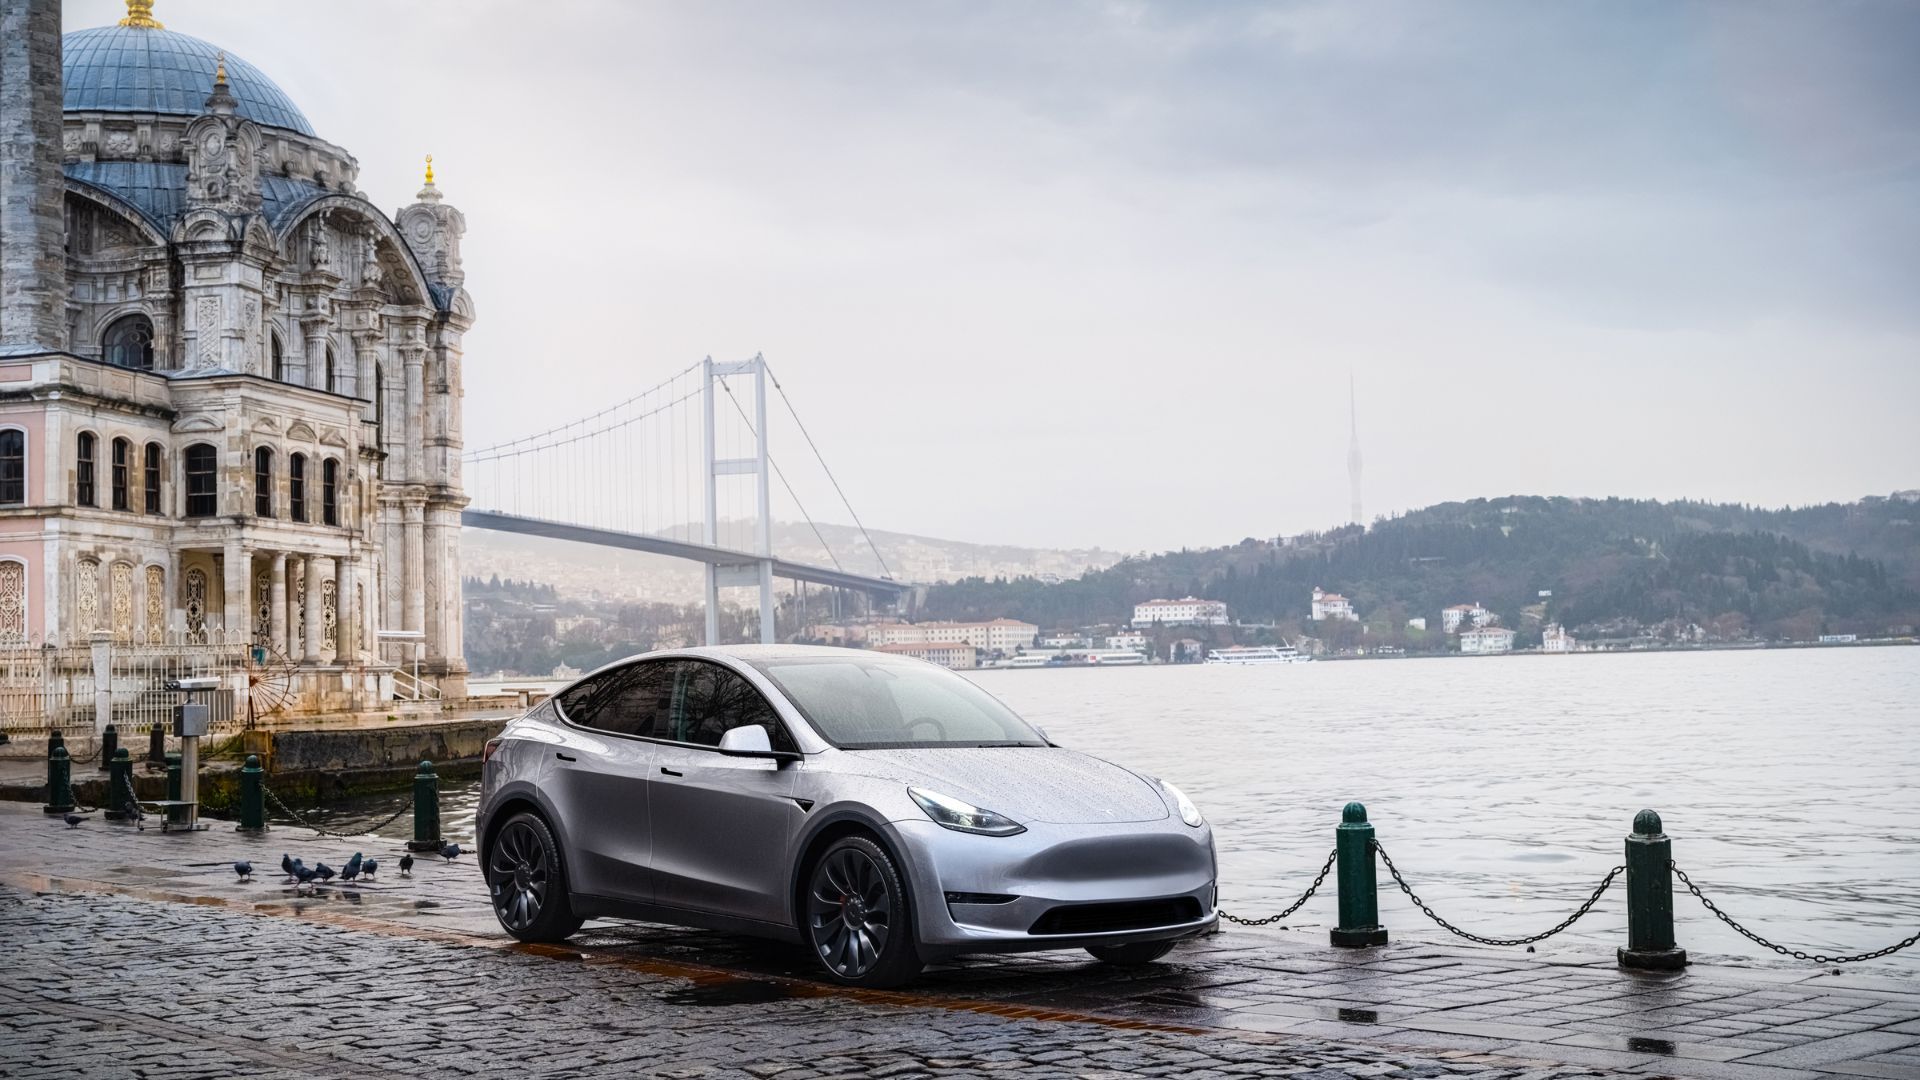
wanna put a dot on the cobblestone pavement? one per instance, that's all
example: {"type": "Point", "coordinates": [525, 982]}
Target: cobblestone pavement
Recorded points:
{"type": "Point", "coordinates": [102, 986]}
{"type": "Point", "coordinates": [1286, 996]}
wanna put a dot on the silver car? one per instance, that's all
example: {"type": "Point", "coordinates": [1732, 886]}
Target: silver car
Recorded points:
{"type": "Point", "coordinates": [881, 811]}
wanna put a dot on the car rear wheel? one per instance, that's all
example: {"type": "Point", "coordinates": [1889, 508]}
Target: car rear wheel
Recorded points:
{"type": "Point", "coordinates": [856, 915]}
{"type": "Point", "coordinates": [527, 881]}
{"type": "Point", "coordinates": [1133, 954]}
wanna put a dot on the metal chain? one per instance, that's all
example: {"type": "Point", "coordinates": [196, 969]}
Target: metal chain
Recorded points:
{"type": "Point", "coordinates": [295, 815]}
{"type": "Point", "coordinates": [1598, 891]}
{"type": "Point", "coordinates": [1783, 950]}
{"type": "Point", "coordinates": [1304, 897]}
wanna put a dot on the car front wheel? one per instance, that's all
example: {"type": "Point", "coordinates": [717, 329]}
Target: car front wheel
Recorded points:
{"type": "Point", "coordinates": [527, 881]}
{"type": "Point", "coordinates": [857, 921]}
{"type": "Point", "coordinates": [1131, 955]}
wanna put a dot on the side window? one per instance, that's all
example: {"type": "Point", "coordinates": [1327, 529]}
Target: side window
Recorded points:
{"type": "Point", "coordinates": [713, 699]}
{"type": "Point", "coordinates": [633, 700]}
{"type": "Point", "coordinates": [576, 701]}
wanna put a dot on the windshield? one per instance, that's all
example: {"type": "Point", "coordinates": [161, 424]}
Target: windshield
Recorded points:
{"type": "Point", "coordinates": [871, 703]}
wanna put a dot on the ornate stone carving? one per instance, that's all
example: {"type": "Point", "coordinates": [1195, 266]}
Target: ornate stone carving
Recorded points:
{"type": "Point", "coordinates": [206, 326]}
{"type": "Point", "coordinates": [250, 334]}
{"type": "Point", "coordinates": [319, 245]}
{"type": "Point", "coordinates": [119, 144]}
{"type": "Point", "coordinates": [297, 582]}
{"type": "Point", "coordinates": [197, 604]}
{"type": "Point", "coordinates": [86, 597]}
{"type": "Point", "coordinates": [329, 614]}
{"type": "Point", "coordinates": [120, 597]}
{"type": "Point", "coordinates": [13, 601]}
{"type": "Point", "coordinates": [156, 605]}
{"type": "Point", "coordinates": [263, 615]}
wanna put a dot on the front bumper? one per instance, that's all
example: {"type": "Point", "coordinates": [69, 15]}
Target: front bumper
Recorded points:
{"type": "Point", "coordinates": [1057, 886]}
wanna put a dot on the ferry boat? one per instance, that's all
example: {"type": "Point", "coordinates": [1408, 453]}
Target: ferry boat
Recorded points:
{"type": "Point", "coordinates": [1257, 654]}
{"type": "Point", "coordinates": [1028, 660]}
{"type": "Point", "coordinates": [1115, 657]}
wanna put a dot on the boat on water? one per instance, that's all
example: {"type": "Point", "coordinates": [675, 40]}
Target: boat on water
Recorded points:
{"type": "Point", "coordinates": [1257, 654]}
{"type": "Point", "coordinates": [1114, 658]}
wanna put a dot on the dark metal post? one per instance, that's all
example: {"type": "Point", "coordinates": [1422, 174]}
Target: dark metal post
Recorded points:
{"type": "Point", "coordinates": [175, 815]}
{"type": "Point", "coordinates": [109, 743]}
{"type": "Point", "coordinates": [253, 796]}
{"type": "Point", "coordinates": [426, 810]}
{"type": "Point", "coordinates": [59, 782]}
{"type": "Point", "coordinates": [157, 744]}
{"type": "Point", "coordinates": [55, 741]}
{"type": "Point", "coordinates": [1650, 945]}
{"type": "Point", "coordinates": [120, 787]}
{"type": "Point", "coordinates": [1359, 895]}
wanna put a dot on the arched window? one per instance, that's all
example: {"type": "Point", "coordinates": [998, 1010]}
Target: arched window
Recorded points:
{"type": "Point", "coordinates": [150, 478]}
{"type": "Point", "coordinates": [128, 343]}
{"type": "Point", "coordinates": [329, 492]}
{"type": "Point", "coordinates": [297, 487]}
{"type": "Point", "coordinates": [13, 467]}
{"type": "Point", "coordinates": [83, 472]}
{"type": "Point", "coordinates": [203, 484]}
{"type": "Point", "coordinates": [329, 387]}
{"type": "Point", "coordinates": [263, 482]}
{"type": "Point", "coordinates": [378, 397]}
{"type": "Point", "coordinates": [279, 359]}
{"type": "Point", "coordinates": [122, 474]}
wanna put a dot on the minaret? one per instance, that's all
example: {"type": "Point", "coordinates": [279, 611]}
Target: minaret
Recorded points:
{"type": "Point", "coordinates": [1353, 450]}
{"type": "Point", "coordinates": [33, 191]}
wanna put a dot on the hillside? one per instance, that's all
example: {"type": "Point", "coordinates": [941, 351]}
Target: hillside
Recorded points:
{"type": "Point", "coordinates": [1614, 567]}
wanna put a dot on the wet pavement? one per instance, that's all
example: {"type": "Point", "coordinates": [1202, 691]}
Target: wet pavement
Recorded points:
{"type": "Point", "coordinates": [141, 954]}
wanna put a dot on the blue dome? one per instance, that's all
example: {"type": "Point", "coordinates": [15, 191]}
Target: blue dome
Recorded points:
{"type": "Point", "coordinates": [137, 69]}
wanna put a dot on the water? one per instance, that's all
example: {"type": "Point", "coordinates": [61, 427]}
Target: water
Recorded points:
{"type": "Point", "coordinates": [1503, 787]}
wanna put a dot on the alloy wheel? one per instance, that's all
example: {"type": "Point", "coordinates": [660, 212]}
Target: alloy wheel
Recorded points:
{"type": "Point", "coordinates": [518, 875]}
{"type": "Point", "coordinates": [850, 911]}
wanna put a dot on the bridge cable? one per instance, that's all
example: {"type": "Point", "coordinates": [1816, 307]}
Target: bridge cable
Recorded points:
{"type": "Point", "coordinates": [569, 425]}
{"type": "Point", "coordinates": [795, 413]}
{"type": "Point", "coordinates": [824, 546]}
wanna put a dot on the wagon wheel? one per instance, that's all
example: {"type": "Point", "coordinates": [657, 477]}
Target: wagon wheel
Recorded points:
{"type": "Point", "coordinates": [269, 683]}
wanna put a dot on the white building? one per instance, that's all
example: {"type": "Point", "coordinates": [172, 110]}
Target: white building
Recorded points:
{"type": "Point", "coordinates": [1486, 640]}
{"type": "Point", "coordinates": [1327, 605]}
{"type": "Point", "coordinates": [1556, 639]}
{"type": "Point", "coordinates": [1188, 611]}
{"type": "Point", "coordinates": [1418, 622]}
{"type": "Point", "coordinates": [1127, 639]}
{"type": "Point", "coordinates": [1473, 614]}
{"type": "Point", "coordinates": [994, 635]}
{"type": "Point", "coordinates": [949, 654]}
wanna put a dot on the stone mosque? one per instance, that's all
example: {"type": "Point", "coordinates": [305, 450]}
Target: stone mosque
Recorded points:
{"type": "Point", "coordinates": [230, 385]}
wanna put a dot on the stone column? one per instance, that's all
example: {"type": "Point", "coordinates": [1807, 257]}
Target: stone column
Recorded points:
{"type": "Point", "coordinates": [315, 629]}
{"type": "Point", "coordinates": [346, 619]}
{"type": "Point", "coordinates": [33, 261]}
{"type": "Point", "coordinates": [277, 605]}
{"type": "Point", "coordinates": [316, 332]}
{"type": "Point", "coordinates": [415, 415]}
{"type": "Point", "coordinates": [413, 609]}
{"type": "Point", "coordinates": [238, 571]}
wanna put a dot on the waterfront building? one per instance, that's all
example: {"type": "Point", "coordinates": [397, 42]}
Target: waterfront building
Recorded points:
{"type": "Point", "coordinates": [951, 654]}
{"type": "Point", "coordinates": [835, 634]}
{"type": "Point", "coordinates": [1328, 605]}
{"type": "Point", "coordinates": [1471, 614]}
{"type": "Point", "coordinates": [1486, 640]}
{"type": "Point", "coordinates": [233, 383]}
{"type": "Point", "coordinates": [993, 635]}
{"type": "Point", "coordinates": [1127, 639]}
{"type": "Point", "coordinates": [1418, 622]}
{"type": "Point", "coordinates": [1555, 639]}
{"type": "Point", "coordinates": [1188, 611]}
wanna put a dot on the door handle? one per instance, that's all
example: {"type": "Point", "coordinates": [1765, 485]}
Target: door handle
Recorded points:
{"type": "Point", "coordinates": [668, 771]}
{"type": "Point", "coordinates": [563, 757]}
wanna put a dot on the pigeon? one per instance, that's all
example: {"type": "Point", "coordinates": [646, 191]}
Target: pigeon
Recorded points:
{"type": "Point", "coordinates": [293, 871]}
{"type": "Point", "coordinates": [243, 870]}
{"type": "Point", "coordinates": [370, 867]}
{"type": "Point", "coordinates": [323, 872]}
{"type": "Point", "coordinates": [74, 820]}
{"type": "Point", "coordinates": [304, 873]}
{"type": "Point", "coordinates": [406, 865]}
{"type": "Point", "coordinates": [286, 865]}
{"type": "Point", "coordinates": [352, 869]}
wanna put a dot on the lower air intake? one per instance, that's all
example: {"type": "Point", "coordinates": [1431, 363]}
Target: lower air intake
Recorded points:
{"type": "Point", "coordinates": [1113, 918]}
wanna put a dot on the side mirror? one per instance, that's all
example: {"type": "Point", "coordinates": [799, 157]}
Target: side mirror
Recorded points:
{"type": "Point", "coordinates": [749, 740]}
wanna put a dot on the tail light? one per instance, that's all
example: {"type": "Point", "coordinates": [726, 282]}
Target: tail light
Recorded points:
{"type": "Point", "coordinates": [486, 754]}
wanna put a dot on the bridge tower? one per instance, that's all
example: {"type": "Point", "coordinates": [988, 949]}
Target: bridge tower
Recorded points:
{"type": "Point", "coordinates": [758, 571]}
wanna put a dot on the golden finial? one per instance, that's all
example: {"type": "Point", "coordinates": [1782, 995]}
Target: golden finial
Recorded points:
{"type": "Point", "coordinates": [429, 168]}
{"type": "Point", "coordinates": [140, 14]}
{"type": "Point", "coordinates": [220, 69]}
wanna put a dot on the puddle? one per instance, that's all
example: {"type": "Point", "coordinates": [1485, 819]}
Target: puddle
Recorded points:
{"type": "Point", "coordinates": [1358, 1016]}
{"type": "Point", "coordinates": [722, 993]}
{"type": "Point", "coordinates": [1650, 1046]}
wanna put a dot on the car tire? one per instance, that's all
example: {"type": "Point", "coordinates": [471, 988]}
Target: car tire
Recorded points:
{"type": "Point", "coordinates": [855, 917]}
{"type": "Point", "coordinates": [526, 878]}
{"type": "Point", "coordinates": [1133, 954]}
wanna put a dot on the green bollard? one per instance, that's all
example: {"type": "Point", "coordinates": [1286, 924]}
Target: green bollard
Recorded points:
{"type": "Point", "coordinates": [157, 744]}
{"type": "Point", "coordinates": [1650, 945]}
{"type": "Point", "coordinates": [1359, 892]}
{"type": "Point", "coordinates": [55, 741]}
{"type": "Point", "coordinates": [176, 815]}
{"type": "Point", "coordinates": [426, 810]}
{"type": "Point", "coordinates": [109, 744]}
{"type": "Point", "coordinates": [253, 796]}
{"type": "Point", "coordinates": [59, 782]}
{"type": "Point", "coordinates": [120, 787]}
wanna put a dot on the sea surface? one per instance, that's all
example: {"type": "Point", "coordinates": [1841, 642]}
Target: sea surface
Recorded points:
{"type": "Point", "coordinates": [1504, 787]}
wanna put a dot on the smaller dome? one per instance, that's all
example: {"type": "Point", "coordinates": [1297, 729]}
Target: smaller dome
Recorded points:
{"type": "Point", "coordinates": [147, 69]}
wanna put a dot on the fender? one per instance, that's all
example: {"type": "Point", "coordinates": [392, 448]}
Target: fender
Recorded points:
{"type": "Point", "coordinates": [842, 814]}
{"type": "Point", "coordinates": [485, 825]}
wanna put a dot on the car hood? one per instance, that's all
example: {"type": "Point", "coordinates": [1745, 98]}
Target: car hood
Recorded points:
{"type": "Point", "coordinates": [1026, 783]}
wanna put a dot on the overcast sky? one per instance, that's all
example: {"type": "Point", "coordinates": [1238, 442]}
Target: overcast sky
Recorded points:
{"type": "Point", "coordinates": [1098, 273]}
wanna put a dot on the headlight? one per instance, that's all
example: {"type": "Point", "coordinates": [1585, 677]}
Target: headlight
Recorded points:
{"type": "Point", "coordinates": [951, 813]}
{"type": "Point", "coordinates": [1189, 813]}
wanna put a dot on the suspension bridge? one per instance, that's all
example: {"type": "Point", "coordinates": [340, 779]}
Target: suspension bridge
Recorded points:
{"type": "Point", "coordinates": [681, 469]}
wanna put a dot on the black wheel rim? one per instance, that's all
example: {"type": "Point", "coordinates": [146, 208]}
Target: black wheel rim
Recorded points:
{"type": "Point", "coordinates": [849, 912]}
{"type": "Point", "coordinates": [517, 874]}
